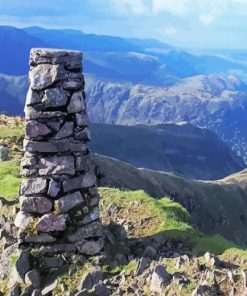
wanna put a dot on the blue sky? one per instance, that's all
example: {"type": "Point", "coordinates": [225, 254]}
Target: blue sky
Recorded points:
{"type": "Point", "coordinates": [188, 23]}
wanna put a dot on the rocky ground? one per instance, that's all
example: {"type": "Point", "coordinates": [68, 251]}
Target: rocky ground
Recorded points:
{"type": "Point", "coordinates": [150, 249]}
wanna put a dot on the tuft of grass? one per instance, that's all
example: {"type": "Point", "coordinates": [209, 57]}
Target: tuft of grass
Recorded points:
{"type": "Point", "coordinates": [9, 179]}
{"type": "Point", "coordinates": [12, 260]}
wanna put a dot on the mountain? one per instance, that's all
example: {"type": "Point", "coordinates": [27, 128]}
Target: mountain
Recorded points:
{"type": "Point", "coordinates": [217, 103]}
{"type": "Point", "coordinates": [215, 206]}
{"type": "Point", "coordinates": [184, 149]}
{"type": "Point", "coordinates": [15, 46]}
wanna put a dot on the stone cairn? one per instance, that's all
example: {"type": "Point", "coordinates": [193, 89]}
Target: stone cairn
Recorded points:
{"type": "Point", "coordinates": [58, 194]}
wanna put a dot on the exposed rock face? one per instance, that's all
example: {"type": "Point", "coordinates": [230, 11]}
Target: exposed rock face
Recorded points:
{"type": "Point", "coordinates": [59, 190]}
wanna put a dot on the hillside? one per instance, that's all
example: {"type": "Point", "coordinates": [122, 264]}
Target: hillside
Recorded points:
{"type": "Point", "coordinates": [183, 149]}
{"type": "Point", "coordinates": [210, 203]}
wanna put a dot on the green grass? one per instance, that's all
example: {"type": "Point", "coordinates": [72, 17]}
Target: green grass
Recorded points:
{"type": "Point", "coordinates": [7, 132]}
{"type": "Point", "coordinates": [170, 218]}
{"type": "Point", "coordinates": [9, 179]}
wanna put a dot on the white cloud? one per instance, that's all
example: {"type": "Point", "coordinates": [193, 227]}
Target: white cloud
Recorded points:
{"type": "Point", "coordinates": [171, 30]}
{"type": "Point", "coordinates": [175, 7]}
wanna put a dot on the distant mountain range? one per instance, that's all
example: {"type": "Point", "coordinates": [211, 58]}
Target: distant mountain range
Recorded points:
{"type": "Point", "coordinates": [135, 81]}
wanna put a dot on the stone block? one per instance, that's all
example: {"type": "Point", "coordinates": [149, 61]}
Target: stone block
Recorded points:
{"type": "Point", "coordinates": [83, 135]}
{"type": "Point", "coordinates": [88, 231]}
{"type": "Point", "coordinates": [85, 181]}
{"type": "Point", "coordinates": [44, 75]}
{"type": "Point", "coordinates": [35, 204]}
{"type": "Point", "coordinates": [90, 247]}
{"type": "Point", "coordinates": [51, 222]}
{"type": "Point", "coordinates": [57, 165]}
{"type": "Point", "coordinates": [33, 186]}
{"type": "Point", "coordinates": [68, 202]}
{"type": "Point", "coordinates": [54, 188]}
{"type": "Point", "coordinates": [36, 129]}
{"type": "Point", "coordinates": [65, 131]}
{"type": "Point", "coordinates": [54, 97]}
{"type": "Point", "coordinates": [83, 162]}
{"type": "Point", "coordinates": [76, 103]}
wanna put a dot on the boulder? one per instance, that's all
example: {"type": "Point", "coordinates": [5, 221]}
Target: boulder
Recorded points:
{"type": "Point", "coordinates": [33, 278]}
{"type": "Point", "coordinates": [4, 153]}
{"type": "Point", "coordinates": [160, 279]}
{"type": "Point", "coordinates": [22, 266]}
{"type": "Point", "coordinates": [90, 279]}
{"type": "Point", "coordinates": [49, 287]}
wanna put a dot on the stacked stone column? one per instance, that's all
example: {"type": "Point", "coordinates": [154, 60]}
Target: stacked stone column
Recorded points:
{"type": "Point", "coordinates": [58, 194]}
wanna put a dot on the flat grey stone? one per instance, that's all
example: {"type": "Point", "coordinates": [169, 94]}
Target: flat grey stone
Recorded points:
{"type": "Point", "coordinates": [53, 262]}
{"type": "Point", "coordinates": [83, 162]}
{"type": "Point", "coordinates": [41, 238]}
{"type": "Point", "coordinates": [89, 279]}
{"type": "Point", "coordinates": [44, 75]}
{"type": "Point", "coordinates": [85, 181]}
{"type": "Point", "coordinates": [51, 222]}
{"type": "Point", "coordinates": [76, 103]}
{"type": "Point", "coordinates": [53, 147]}
{"type": "Point", "coordinates": [58, 248]}
{"type": "Point", "coordinates": [32, 114]}
{"type": "Point", "coordinates": [36, 129]}
{"type": "Point", "coordinates": [65, 131]}
{"type": "Point", "coordinates": [33, 186]}
{"type": "Point", "coordinates": [54, 97]}
{"type": "Point", "coordinates": [160, 279]}
{"type": "Point", "coordinates": [68, 202]}
{"type": "Point", "coordinates": [83, 135]}
{"type": "Point", "coordinates": [72, 84]}
{"type": "Point", "coordinates": [57, 165]}
{"type": "Point", "coordinates": [54, 188]}
{"type": "Point", "coordinates": [93, 229]}
{"type": "Point", "coordinates": [22, 266]}
{"type": "Point", "coordinates": [34, 204]}
{"type": "Point", "coordinates": [89, 218]}
{"type": "Point", "coordinates": [23, 220]}
{"type": "Point", "coordinates": [33, 278]}
{"type": "Point", "coordinates": [49, 287]}
{"type": "Point", "coordinates": [32, 97]}
{"type": "Point", "coordinates": [54, 56]}
{"type": "Point", "coordinates": [90, 247]}
{"type": "Point", "coordinates": [81, 119]}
